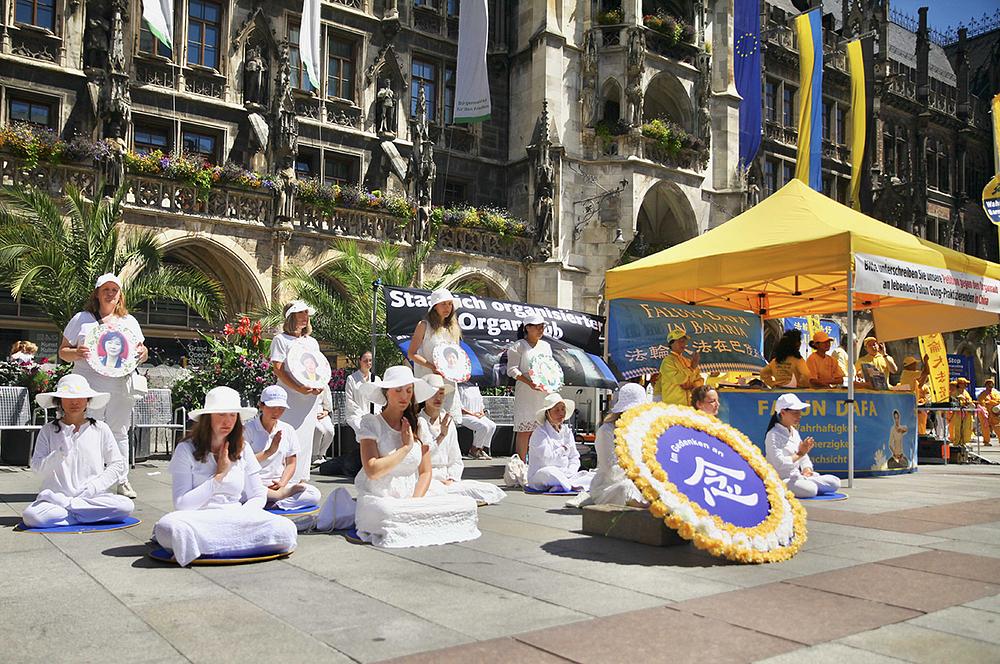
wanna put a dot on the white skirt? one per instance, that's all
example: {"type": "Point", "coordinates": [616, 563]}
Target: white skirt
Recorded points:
{"type": "Point", "coordinates": [404, 522]}
{"type": "Point", "coordinates": [481, 492]}
{"type": "Point", "coordinates": [233, 530]}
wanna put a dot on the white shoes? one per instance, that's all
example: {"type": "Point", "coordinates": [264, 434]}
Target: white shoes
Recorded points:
{"type": "Point", "coordinates": [125, 489]}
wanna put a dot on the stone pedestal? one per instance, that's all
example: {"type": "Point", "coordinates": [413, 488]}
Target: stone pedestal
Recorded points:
{"type": "Point", "coordinates": [634, 524]}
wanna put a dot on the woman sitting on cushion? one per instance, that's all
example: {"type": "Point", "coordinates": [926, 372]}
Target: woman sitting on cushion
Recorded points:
{"type": "Point", "coordinates": [609, 485]}
{"type": "Point", "coordinates": [553, 460]}
{"type": "Point", "coordinates": [394, 509]}
{"type": "Point", "coordinates": [78, 461]}
{"type": "Point", "coordinates": [789, 454]}
{"type": "Point", "coordinates": [218, 494]}
{"type": "Point", "coordinates": [277, 448]}
{"type": "Point", "coordinates": [437, 431]}
{"type": "Point", "coordinates": [787, 368]}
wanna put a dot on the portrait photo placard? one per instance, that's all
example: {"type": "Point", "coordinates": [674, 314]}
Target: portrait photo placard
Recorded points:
{"type": "Point", "coordinates": [308, 367]}
{"type": "Point", "coordinates": [453, 362]}
{"type": "Point", "coordinates": [114, 349]}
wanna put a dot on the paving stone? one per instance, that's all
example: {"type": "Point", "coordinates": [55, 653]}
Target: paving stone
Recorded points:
{"type": "Point", "coordinates": [908, 588]}
{"type": "Point", "coordinates": [868, 551]}
{"type": "Point", "coordinates": [963, 621]}
{"type": "Point", "coordinates": [953, 515]}
{"type": "Point", "coordinates": [986, 604]}
{"type": "Point", "coordinates": [819, 616]}
{"type": "Point", "coordinates": [656, 635]}
{"type": "Point", "coordinates": [987, 533]}
{"type": "Point", "coordinates": [911, 643]}
{"type": "Point", "coordinates": [980, 568]}
{"type": "Point", "coordinates": [830, 653]}
{"type": "Point", "coordinates": [971, 548]}
{"type": "Point", "coordinates": [632, 524]}
{"type": "Point", "coordinates": [496, 651]}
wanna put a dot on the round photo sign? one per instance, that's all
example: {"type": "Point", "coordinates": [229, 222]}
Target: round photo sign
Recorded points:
{"type": "Point", "coordinates": [453, 362]}
{"type": "Point", "coordinates": [708, 482]}
{"type": "Point", "coordinates": [308, 366]}
{"type": "Point", "coordinates": [544, 370]}
{"type": "Point", "coordinates": [114, 349]}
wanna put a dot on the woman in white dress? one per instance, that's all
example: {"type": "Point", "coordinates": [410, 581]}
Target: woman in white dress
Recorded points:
{"type": "Point", "coordinates": [610, 486]}
{"type": "Point", "coordinates": [394, 508]}
{"type": "Point", "coordinates": [553, 460]}
{"type": "Point", "coordinates": [440, 326]}
{"type": "Point", "coordinates": [303, 402]}
{"type": "Point", "coordinates": [276, 448]}
{"type": "Point", "coordinates": [106, 306]}
{"type": "Point", "coordinates": [789, 454]}
{"type": "Point", "coordinates": [78, 461]}
{"type": "Point", "coordinates": [528, 396]}
{"type": "Point", "coordinates": [437, 431]}
{"type": "Point", "coordinates": [218, 495]}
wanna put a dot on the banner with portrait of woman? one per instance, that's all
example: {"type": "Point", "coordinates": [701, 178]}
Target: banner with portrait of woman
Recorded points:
{"type": "Point", "coordinates": [114, 350]}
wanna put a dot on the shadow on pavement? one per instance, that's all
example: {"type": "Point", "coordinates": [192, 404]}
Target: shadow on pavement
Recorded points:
{"type": "Point", "coordinates": [621, 552]}
{"type": "Point", "coordinates": [482, 472]}
{"type": "Point", "coordinates": [10, 521]}
{"type": "Point", "coordinates": [137, 551]}
{"type": "Point", "coordinates": [17, 497]}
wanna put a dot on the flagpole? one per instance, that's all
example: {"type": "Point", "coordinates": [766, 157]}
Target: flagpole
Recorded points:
{"type": "Point", "coordinates": [850, 376]}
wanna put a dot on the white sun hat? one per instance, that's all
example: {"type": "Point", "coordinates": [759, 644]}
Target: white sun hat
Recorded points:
{"type": "Point", "coordinates": [297, 306]}
{"type": "Point", "coordinates": [398, 376]}
{"type": "Point", "coordinates": [73, 386]}
{"type": "Point", "coordinates": [629, 395]}
{"type": "Point", "coordinates": [437, 382]}
{"type": "Point", "coordinates": [443, 295]}
{"type": "Point", "coordinates": [108, 278]}
{"type": "Point", "coordinates": [533, 319]}
{"type": "Point", "coordinates": [223, 400]}
{"type": "Point", "coordinates": [274, 396]}
{"type": "Point", "coordinates": [551, 400]}
{"type": "Point", "coordinates": [789, 402]}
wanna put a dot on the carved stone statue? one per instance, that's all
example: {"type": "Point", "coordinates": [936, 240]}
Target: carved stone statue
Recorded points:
{"type": "Point", "coordinates": [633, 100]}
{"type": "Point", "coordinates": [385, 109]}
{"type": "Point", "coordinates": [116, 100]}
{"type": "Point", "coordinates": [97, 35]}
{"type": "Point", "coordinates": [544, 178]}
{"type": "Point", "coordinates": [113, 166]}
{"type": "Point", "coordinates": [286, 192]}
{"type": "Point", "coordinates": [421, 171]}
{"type": "Point", "coordinates": [254, 77]}
{"type": "Point", "coordinates": [285, 125]}
{"type": "Point", "coordinates": [704, 89]}
{"type": "Point", "coordinates": [635, 66]}
{"type": "Point", "coordinates": [636, 58]}
{"type": "Point", "coordinates": [589, 78]}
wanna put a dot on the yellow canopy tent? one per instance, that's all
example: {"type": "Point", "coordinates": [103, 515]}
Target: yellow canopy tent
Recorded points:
{"type": "Point", "coordinates": [799, 252]}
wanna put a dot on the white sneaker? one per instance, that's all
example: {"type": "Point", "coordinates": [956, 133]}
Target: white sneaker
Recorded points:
{"type": "Point", "coordinates": [125, 489]}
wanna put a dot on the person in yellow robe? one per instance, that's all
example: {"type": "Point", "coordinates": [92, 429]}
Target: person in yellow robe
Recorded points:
{"type": "Point", "coordinates": [787, 368]}
{"type": "Point", "coordinates": [824, 367]}
{"type": "Point", "coordinates": [678, 373]}
{"type": "Point", "coordinates": [960, 423]}
{"type": "Point", "coordinates": [876, 355]}
{"type": "Point", "coordinates": [989, 399]}
{"type": "Point", "coordinates": [915, 375]}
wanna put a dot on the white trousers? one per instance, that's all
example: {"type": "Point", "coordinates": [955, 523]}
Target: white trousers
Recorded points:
{"type": "Point", "coordinates": [55, 509]}
{"type": "Point", "coordinates": [810, 487]}
{"type": "Point", "coordinates": [551, 477]}
{"type": "Point", "coordinates": [117, 414]}
{"type": "Point", "coordinates": [482, 429]}
{"type": "Point", "coordinates": [308, 497]}
{"type": "Point", "coordinates": [323, 436]}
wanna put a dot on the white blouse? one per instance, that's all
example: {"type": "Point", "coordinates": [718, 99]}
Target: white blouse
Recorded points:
{"type": "Point", "coordinates": [195, 486]}
{"type": "Point", "coordinates": [356, 401]}
{"type": "Point", "coordinates": [550, 448]}
{"type": "Point", "coordinates": [77, 462]}
{"type": "Point", "coordinates": [781, 444]}
{"type": "Point", "coordinates": [520, 354]}
{"type": "Point", "coordinates": [259, 439]}
{"type": "Point", "coordinates": [78, 327]}
{"type": "Point", "coordinates": [446, 456]}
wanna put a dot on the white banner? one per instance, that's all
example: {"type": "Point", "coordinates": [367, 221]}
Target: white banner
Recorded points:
{"type": "Point", "coordinates": [309, 41]}
{"type": "Point", "coordinates": [159, 16]}
{"type": "Point", "coordinates": [472, 85]}
{"type": "Point", "coordinates": [884, 276]}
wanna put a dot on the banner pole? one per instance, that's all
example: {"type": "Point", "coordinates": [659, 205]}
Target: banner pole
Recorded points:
{"type": "Point", "coordinates": [374, 335]}
{"type": "Point", "coordinates": [850, 376]}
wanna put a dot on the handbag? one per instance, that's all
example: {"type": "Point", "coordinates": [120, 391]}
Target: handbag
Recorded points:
{"type": "Point", "coordinates": [137, 386]}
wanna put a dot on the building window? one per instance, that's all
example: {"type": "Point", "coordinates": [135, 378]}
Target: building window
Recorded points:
{"type": "Point", "coordinates": [339, 67]}
{"type": "Point", "coordinates": [149, 139]}
{"type": "Point", "coordinates": [932, 163]}
{"type": "Point", "coordinates": [40, 13]}
{"type": "Point", "coordinates": [841, 125]}
{"type": "Point", "coordinates": [903, 153]}
{"type": "Point", "coordinates": [29, 111]}
{"type": "Point", "coordinates": [888, 150]}
{"type": "Point", "coordinates": [770, 177]}
{"type": "Point", "coordinates": [148, 43]}
{"type": "Point", "coordinates": [204, 28]}
{"type": "Point", "coordinates": [770, 101]}
{"type": "Point", "coordinates": [944, 171]}
{"type": "Point", "coordinates": [788, 106]}
{"type": "Point", "coordinates": [338, 169]}
{"type": "Point", "coordinates": [787, 172]}
{"type": "Point", "coordinates": [430, 4]}
{"type": "Point", "coordinates": [306, 164]}
{"type": "Point", "coordinates": [454, 192]}
{"type": "Point", "coordinates": [449, 94]}
{"type": "Point", "coordinates": [200, 143]}
{"type": "Point", "coordinates": [826, 121]}
{"type": "Point", "coordinates": [453, 7]}
{"type": "Point", "coordinates": [300, 77]}
{"type": "Point", "coordinates": [426, 73]}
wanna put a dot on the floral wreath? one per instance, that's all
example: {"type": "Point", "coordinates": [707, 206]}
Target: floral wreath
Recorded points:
{"type": "Point", "coordinates": [778, 537]}
{"type": "Point", "coordinates": [544, 370]}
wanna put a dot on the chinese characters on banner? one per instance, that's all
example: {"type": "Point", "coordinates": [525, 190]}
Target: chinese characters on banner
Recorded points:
{"type": "Point", "coordinates": [637, 336]}
{"type": "Point", "coordinates": [932, 347]}
{"type": "Point", "coordinates": [809, 326]}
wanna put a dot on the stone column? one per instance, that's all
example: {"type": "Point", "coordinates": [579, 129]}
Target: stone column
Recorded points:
{"type": "Point", "coordinates": [282, 235]}
{"type": "Point", "coordinates": [724, 106]}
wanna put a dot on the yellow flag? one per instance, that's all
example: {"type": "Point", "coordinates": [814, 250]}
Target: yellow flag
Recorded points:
{"type": "Point", "coordinates": [812, 324]}
{"type": "Point", "coordinates": [932, 347]}
{"type": "Point", "coordinates": [996, 133]}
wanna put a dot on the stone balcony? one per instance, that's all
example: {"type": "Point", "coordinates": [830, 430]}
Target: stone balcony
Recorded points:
{"type": "Point", "coordinates": [637, 146]}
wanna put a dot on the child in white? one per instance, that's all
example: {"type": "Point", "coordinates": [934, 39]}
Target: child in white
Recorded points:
{"type": "Point", "coordinates": [78, 461]}
{"type": "Point", "coordinates": [789, 454]}
{"type": "Point", "coordinates": [276, 447]}
{"type": "Point", "coordinates": [219, 497]}
{"type": "Point", "coordinates": [553, 460]}
{"type": "Point", "coordinates": [437, 431]}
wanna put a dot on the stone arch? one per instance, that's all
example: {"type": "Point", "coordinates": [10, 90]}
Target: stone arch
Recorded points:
{"type": "Point", "coordinates": [228, 263]}
{"type": "Point", "coordinates": [665, 218]}
{"type": "Point", "coordinates": [666, 98]}
{"type": "Point", "coordinates": [612, 97]}
{"type": "Point", "coordinates": [480, 283]}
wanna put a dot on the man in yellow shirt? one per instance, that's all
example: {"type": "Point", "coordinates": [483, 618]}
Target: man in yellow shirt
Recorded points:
{"type": "Point", "coordinates": [824, 368]}
{"type": "Point", "coordinates": [678, 374]}
{"type": "Point", "coordinates": [989, 399]}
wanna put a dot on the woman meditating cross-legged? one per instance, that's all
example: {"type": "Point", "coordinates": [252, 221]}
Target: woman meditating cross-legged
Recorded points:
{"type": "Point", "coordinates": [789, 454]}
{"type": "Point", "coordinates": [218, 495]}
{"type": "Point", "coordinates": [78, 460]}
{"type": "Point", "coordinates": [394, 508]}
{"type": "Point", "coordinates": [610, 486]}
{"type": "Point", "coordinates": [438, 432]}
{"type": "Point", "coordinates": [553, 460]}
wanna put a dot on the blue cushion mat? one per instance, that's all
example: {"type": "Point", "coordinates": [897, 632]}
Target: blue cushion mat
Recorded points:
{"type": "Point", "coordinates": [551, 492]}
{"type": "Point", "coordinates": [351, 535]}
{"type": "Point", "coordinates": [828, 496]}
{"type": "Point", "coordinates": [308, 509]}
{"type": "Point", "coordinates": [167, 556]}
{"type": "Point", "coordinates": [105, 526]}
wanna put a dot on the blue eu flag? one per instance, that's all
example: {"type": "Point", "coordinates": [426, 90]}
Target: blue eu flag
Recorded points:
{"type": "Point", "coordinates": [747, 72]}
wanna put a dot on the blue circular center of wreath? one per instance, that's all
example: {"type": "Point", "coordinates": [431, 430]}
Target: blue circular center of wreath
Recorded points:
{"type": "Point", "coordinates": [712, 474]}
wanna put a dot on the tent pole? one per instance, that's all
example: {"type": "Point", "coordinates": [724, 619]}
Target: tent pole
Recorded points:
{"type": "Point", "coordinates": [850, 376]}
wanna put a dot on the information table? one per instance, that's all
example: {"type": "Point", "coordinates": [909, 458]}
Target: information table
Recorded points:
{"type": "Point", "coordinates": [885, 427]}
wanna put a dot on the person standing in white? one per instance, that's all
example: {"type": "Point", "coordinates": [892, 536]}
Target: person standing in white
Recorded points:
{"type": "Point", "coordinates": [276, 447]}
{"type": "Point", "coordinates": [302, 401]}
{"type": "Point", "coordinates": [439, 326]}
{"type": "Point", "coordinates": [610, 486]}
{"type": "Point", "coordinates": [105, 306]}
{"type": "Point", "coordinates": [437, 431]}
{"type": "Point", "coordinates": [77, 459]}
{"type": "Point", "coordinates": [356, 401]}
{"type": "Point", "coordinates": [789, 454]}
{"type": "Point", "coordinates": [474, 419]}
{"type": "Point", "coordinates": [218, 495]}
{"type": "Point", "coordinates": [528, 396]}
{"type": "Point", "coordinates": [553, 460]}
